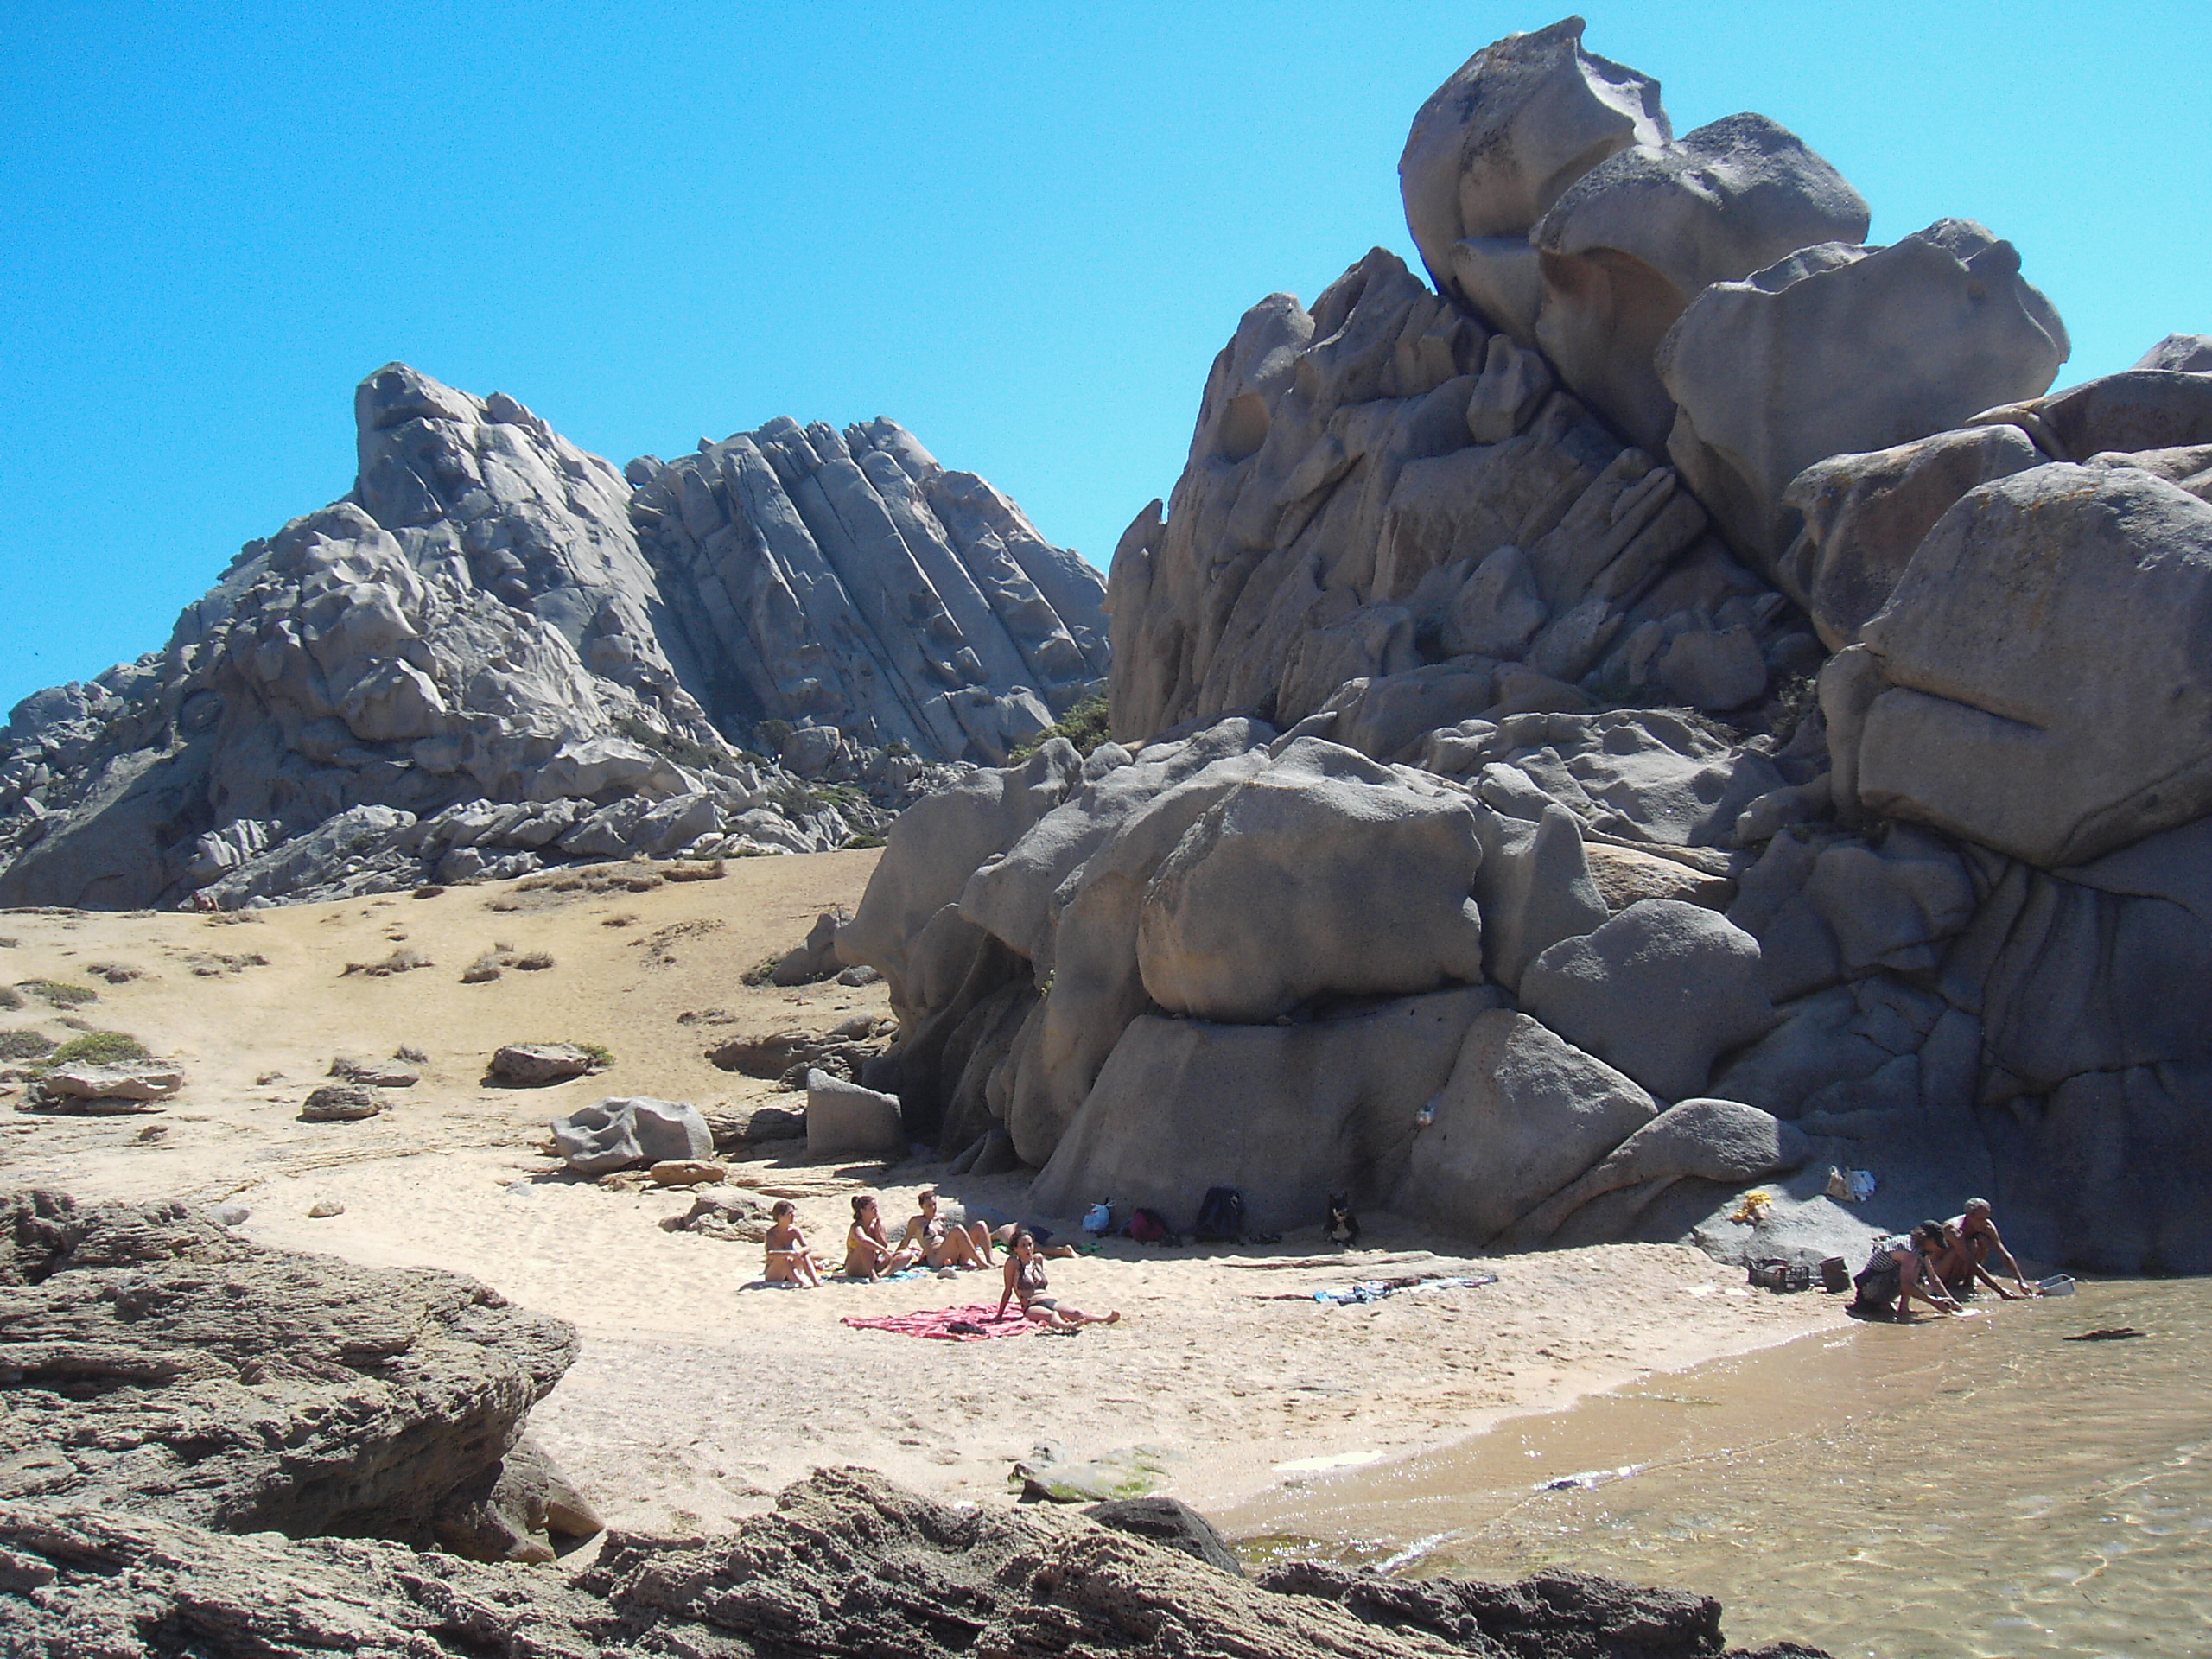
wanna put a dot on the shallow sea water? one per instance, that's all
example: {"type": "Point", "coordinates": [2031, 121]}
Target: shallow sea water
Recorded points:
{"type": "Point", "coordinates": [1958, 1488]}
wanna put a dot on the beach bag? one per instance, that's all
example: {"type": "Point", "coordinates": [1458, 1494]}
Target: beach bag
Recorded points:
{"type": "Point", "coordinates": [1221, 1217]}
{"type": "Point", "coordinates": [1146, 1227]}
{"type": "Point", "coordinates": [1099, 1218]}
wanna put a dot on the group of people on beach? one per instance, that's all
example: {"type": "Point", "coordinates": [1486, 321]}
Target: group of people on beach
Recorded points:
{"type": "Point", "coordinates": [929, 1240]}
{"type": "Point", "coordinates": [1939, 1264]}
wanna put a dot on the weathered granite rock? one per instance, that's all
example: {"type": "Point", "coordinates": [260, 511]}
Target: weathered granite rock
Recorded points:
{"type": "Point", "coordinates": [1522, 1114]}
{"type": "Point", "coordinates": [1629, 245]}
{"type": "Point", "coordinates": [160, 1366]}
{"type": "Point", "coordinates": [538, 1066]}
{"type": "Point", "coordinates": [132, 1080]}
{"type": "Point", "coordinates": [624, 1131]}
{"type": "Point", "coordinates": [1660, 991]}
{"type": "Point", "coordinates": [340, 1102]}
{"type": "Point", "coordinates": [1287, 1114]}
{"type": "Point", "coordinates": [845, 1119]}
{"type": "Point", "coordinates": [2049, 667]}
{"type": "Point", "coordinates": [1498, 143]}
{"type": "Point", "coordinates": [1865, 516]}
{"type": "Point", "coordinates": [1325, 874]}
{"type": "Point", "coordinates": [1838, 349]}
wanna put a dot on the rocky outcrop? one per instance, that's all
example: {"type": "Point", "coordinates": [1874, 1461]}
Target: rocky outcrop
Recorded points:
{"type": "Point", "coordinates": [155, 1365]}
{"type": "Point", "coordinates": [494, 653]}
{"type": "Point", "coordinates": [846, 1563]}
{"type": "Point", "coordinates": [1886, 865]}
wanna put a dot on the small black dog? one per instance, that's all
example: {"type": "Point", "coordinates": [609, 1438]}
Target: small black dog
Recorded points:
{"type": "Point", "coordinates": [1344, 1226]}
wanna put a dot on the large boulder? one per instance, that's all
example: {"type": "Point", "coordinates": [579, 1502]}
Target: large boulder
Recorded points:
{"type": "Point", "coordinates": [1629, 245]}
{"type": "Point", "coordinates": [1661, 991]}
{"type": "Point", "coordinates": [845, 1119]}
{"type": "Point", "coordinates": [623, 1132]}
{"type": "Point", "coordinates": [1325, 875]}
{"type": "Point", "coordinates": [1497, 144]}
{"type": "Point", "coordinates": [1534, 888]}
{"type": "Point", "coordinates": [1837, 350]}
{"type": "Point", "coordinates": [162, 1367]}
{"type": "Point", "coordinates": [1522, 1114]}
{"type": "Point", "coordinates": [1864, 516]}
{"type": "Point", "coordinates": [1287, 1115]}
{"type": "Point", "coordinates": [1718, 1141]}
{"type": "Point", "coordinates": [2048, 656]}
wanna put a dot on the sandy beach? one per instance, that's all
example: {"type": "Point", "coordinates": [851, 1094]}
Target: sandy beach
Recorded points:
{"type": "Point", "coordinates": [695, 1396]}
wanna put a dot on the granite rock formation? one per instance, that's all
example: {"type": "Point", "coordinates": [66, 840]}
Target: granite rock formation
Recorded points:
{"type": "Point", "coordinates": [494, 652]}
{"type": "Point", "coordinates": [1816, 700]}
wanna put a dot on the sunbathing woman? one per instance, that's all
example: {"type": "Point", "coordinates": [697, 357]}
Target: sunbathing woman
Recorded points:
{"type": "Point", "coordinates": [944, 1243]}
{"type": "Point", "coordinates": [1025, 1277]}
{"type": "Point", "coordinates": [869, 1252]}
{"type": "Point", "coordinates": [790, 1261]}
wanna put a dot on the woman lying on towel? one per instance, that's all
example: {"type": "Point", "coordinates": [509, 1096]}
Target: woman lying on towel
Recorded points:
{"type": "Point", "coordinates": [869, 1252]}
{"type": "Point", "coordinates": [1025, 1277]}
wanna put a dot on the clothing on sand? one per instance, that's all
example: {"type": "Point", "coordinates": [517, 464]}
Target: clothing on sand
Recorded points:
{"type": "Point", "coordinates": [977, 1322]}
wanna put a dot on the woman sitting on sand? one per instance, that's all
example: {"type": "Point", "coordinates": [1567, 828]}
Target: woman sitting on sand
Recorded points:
{"type": "Point", "coordinates": [869, 1252]}
{"type": "Point", "coordinates": [1025, 1277]}
{"type": "Point", "coordinates": [944, 1243]}
{"type": "Point", "coordinates": [790, 1261]}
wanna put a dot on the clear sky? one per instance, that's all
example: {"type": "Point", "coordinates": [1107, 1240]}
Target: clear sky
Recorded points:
{"type": "Point", "coordinates": [1021, 230]}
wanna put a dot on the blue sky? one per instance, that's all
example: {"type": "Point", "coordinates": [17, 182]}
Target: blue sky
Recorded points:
{"type": "Point", "coordinates": [1023, 230]}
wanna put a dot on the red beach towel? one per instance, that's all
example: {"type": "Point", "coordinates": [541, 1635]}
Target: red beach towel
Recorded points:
{"type": "Point", "coordinates": [937, 1322]}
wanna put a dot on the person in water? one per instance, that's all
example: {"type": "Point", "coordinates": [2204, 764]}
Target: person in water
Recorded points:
{"type": "Point", "coordinates": [790, 1261]}
{"type": "Point", "coordinates": [1025, 1277]}
{"type": "Point", "coordinates": [944, 1243]}
{"type": "Point", "coordinates": [1901, 1271]}
{"type": "Point", "coordinates": [1977, 1240]}
{"type": "Point", "coordinates": [869, 1252]}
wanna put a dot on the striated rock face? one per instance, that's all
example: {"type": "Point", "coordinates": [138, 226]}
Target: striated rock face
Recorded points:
{"type": "Point", "coordinates": [494, 654]}
{"type": "Point", "coordinates": [154, 1364]}
{"type": "Point", "coordinates": [848, 580]}
{"type": "Point", "coordinates": [848, 1563]}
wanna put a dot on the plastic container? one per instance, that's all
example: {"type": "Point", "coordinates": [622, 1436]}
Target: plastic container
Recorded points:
{"type": "Point", "coordinates": [2059, 1284]}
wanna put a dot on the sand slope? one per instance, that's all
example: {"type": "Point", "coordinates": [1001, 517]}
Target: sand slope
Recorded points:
{"type": "Point", "coordinates": [697, 1396]}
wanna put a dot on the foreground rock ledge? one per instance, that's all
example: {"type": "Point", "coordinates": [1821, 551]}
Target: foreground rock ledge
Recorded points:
{"type": "Point", "coordinates": [847, 1564]}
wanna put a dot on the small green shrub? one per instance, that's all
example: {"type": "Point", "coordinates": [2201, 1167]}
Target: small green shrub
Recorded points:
{"type": "Point", "coordinates": [99, 1048]}
{"type": "Point", "coordinates": [1086, 725]}
{"type": "Point", "coordinates": [857, 843]}
{"type": "Point", "coordinates": [601, 1055]}
{"type": "Point", "coordinates": [58, 993]}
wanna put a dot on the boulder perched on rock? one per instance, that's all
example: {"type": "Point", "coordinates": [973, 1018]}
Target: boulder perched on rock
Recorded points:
{"type": "Point", "coordinates": [1661, 991]}
{"type": "Point", "coordinates": [1325, 874]}
{"type": "Point", "coordinates": [1498, 143]}
{"type": "Point", "coordinates": [1632, 242]}
{"type": "Point", "coordinates": [621, 1132]}
{"type": "Point", "coordinates": [2049, 659]}
{"type": "Point", "coordinates": [1837, 350]}
{"type": "Point", "coordinates": [162, 1368]}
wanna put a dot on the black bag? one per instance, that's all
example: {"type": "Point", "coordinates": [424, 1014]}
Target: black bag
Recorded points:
{"type": "Point", "coordinates": [1221, 1217]}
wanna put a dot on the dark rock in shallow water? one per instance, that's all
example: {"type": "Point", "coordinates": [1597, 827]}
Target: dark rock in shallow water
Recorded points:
{"type": "Point", "coordinates": [848, 1563]}
{"type": "Point", "coordinates": [1170, 1523]}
